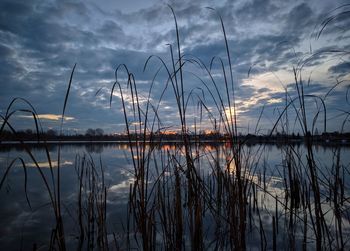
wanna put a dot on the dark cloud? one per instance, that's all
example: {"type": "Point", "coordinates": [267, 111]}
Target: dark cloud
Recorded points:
{"type": "Point", "coordinates": [342, 68]}
{"type": "Point", "coordinates": [301, 17]}
{"type": "Point", "coordinates": [257, 10]}
{"type": "Point", "coordinates": [41, 41]}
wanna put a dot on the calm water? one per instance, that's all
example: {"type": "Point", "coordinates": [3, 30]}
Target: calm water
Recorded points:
{"type": "Point", "coordinates": [21, 225]}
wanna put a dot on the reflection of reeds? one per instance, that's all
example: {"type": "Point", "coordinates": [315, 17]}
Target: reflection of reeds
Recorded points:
{"type": "Point", "coordinates": [92, 191]}
{"type": "Point", "coordinates": [173, 204]}
{"type": "Point", "coordinates": [92, 205]}
{"type": "Point", "coordinates": [52, 184]}
{"type": "Point", "coordinates": [180, 198]}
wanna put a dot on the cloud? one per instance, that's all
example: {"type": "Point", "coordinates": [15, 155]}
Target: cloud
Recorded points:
{"type": "Point", "coordinates": [342, 68]}
{"type": "Point", "coordinates": [47, 164]}
{"type": "Point", "coordinates": [41, 41]}
{"type": "Point", "coordinates": [53, 117]}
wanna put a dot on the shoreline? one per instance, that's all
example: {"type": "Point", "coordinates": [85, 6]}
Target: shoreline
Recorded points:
{"type": "Point", "coordinates": [248, 142]}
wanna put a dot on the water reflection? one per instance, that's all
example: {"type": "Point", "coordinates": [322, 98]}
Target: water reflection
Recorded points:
{"type": "Point", "coordinates": [94, 148]}
{"type": "Point", "coordinates": [33, 224]}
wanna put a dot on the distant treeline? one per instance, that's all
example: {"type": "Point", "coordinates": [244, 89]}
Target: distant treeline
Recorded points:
{"type": "Point", "coordinates": [98, 135]}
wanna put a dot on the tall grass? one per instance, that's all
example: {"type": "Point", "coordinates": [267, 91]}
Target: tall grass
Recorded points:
{"type": "Point", "coordinates": [175, 202]}
{"type": "Point", "coordinates": [177, 206]}
{"type": "Point", "coordinates": [92, 193]}
{"type": "Point", "coordinates": [148, 205]}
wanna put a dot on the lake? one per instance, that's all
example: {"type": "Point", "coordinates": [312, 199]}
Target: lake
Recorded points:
{"type": "Point", "coordinates": [24, 225]}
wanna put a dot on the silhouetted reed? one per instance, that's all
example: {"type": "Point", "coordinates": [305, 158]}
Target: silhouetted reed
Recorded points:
{"type": "Point", "coordinates": [174, 202]}
{"type": "Point", "coordinates": [180, 207]}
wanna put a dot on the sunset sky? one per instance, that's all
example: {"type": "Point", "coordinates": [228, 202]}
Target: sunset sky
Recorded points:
{"type": "Point", "coordinates": [40, 41]}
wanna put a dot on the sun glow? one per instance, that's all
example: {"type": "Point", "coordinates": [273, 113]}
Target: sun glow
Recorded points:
{"type": "Point", "coordinates": [230, 113]}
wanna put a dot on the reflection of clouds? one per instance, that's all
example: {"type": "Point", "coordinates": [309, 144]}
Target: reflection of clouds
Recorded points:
{"type": "Point", "coordinates": [25, 218]}
{"type": "Point", "coordinates": [94, 148]}
{"type": "Point", "coordinates": [167, 147]}
{"type": "Point", "coordinates": [119, 193]}
{"type": "Point", "coordinates": [18, 222]}
{"type": "Point", "coordinates": [15, 215]}
{"type": "Point", "coordinates": [46, 164]}
{"type": "Point", "coordinates": [275, 189]}
{"type": "Point", "coordinates": [122, 187]}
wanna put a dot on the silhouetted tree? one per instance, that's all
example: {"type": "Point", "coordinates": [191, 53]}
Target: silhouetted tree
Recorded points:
{"type": "Point", "coordinates": [99, 132]}
{"type": "Point", "coordinates": [90, 132]}
{"type": "Point", "coordinates": [29, 131]}
{"type": "Point", "coordinates": [51, 132]}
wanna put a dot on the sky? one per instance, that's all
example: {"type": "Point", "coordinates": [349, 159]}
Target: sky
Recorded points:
{"type": "Point", "coordinates": [41, 41]}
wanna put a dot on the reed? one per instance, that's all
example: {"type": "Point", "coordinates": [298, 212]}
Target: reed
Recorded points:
{"type": "Point", "coordinates": [174, 202]}
{"type": "Point", "coordinates": [182, 200]}
{"type": "Point", "coordinates": [167, 208]}
{"type": "Point", "coordinates": [91, 215]}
